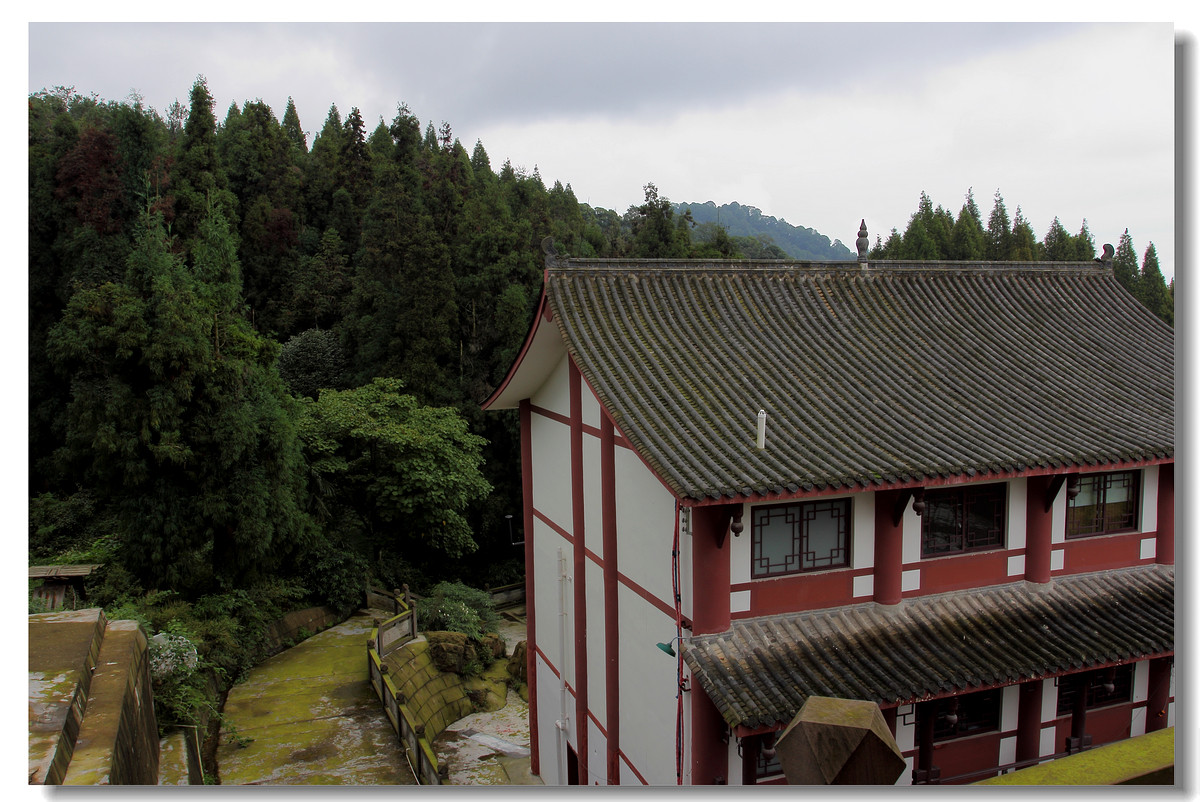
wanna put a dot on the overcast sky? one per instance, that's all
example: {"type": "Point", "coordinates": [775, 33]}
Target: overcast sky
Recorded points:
{"type": "Point", "coordinates": [820, 124]}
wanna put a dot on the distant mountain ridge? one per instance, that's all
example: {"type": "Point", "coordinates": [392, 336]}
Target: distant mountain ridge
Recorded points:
{"type": "Point", "coordinates": [748, 221]}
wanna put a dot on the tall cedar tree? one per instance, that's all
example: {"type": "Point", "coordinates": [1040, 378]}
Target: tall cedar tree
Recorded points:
{"type": "Point", "coordinates": [1125, 264]}
{"type": "Point", "coordinates": [198, 180]}
{"type": "Point", "coordinates": [1153, 288]}
{"type": "Point", "coordinates": [179, 418]}
{"type": "Point", "coordinates": [999, 232]}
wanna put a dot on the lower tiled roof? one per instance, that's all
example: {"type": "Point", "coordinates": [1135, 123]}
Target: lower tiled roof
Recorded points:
{"type": "Point", "coordinates": [760, 671]}
{"type": "Point", "coordinates": [891, 372]}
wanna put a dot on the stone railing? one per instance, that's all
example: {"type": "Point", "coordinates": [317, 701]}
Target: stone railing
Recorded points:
{"type": "Point", "coordinates": [386, 638]}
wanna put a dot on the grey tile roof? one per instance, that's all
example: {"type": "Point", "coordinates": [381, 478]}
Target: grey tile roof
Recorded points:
{"type": "Point", "coordinates": [762, 669]}
{"type": "Point", "coordinates": [892, 372]}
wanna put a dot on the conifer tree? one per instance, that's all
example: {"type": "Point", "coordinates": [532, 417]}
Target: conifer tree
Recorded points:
{"type": "Point", "coordinates": [1085, 245]}
{"type": "Point", "coordinates": [292, 128]}
{"type": "Point", "coordinates": [1023, 245]}
{"type": "Point", "coordinates": [179, 418]}
{"type": "Point", "coordinates": [1153, 287]}
{"type": "Point", "coordinates": [1125, 264]}
{"type": "Point", "coordinates": [1058, 245]}
{"type": "Point", "coordinates": [968, 240]}
{"type": "Point", "coordinates": [999, 233]}
{"type": "Point", "coordinates": [198, 180]}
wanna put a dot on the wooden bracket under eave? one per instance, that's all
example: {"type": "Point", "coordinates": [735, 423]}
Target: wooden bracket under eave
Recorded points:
{"type": "Point", "coordinates": [735, 524]}
{"type": "Point", "coordinates": [1072, 482]}
{"type": "Point", "coordinates": [917, 494]}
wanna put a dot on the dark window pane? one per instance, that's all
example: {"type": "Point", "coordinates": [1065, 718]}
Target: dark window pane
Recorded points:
{"type": "Point", "coordinates": [963, 716]}
{"type": "Point", "coordinates": [963, 519]}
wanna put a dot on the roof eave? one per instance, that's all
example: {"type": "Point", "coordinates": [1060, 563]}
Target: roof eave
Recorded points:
{"type": "Point", "coordinates": [542, 349]}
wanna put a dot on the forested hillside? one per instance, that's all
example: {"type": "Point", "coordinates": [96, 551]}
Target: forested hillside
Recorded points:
{"type": "Point", "coordinates": [749, 223]}
{"type": "Point", "coordinates": [256, 361]}
{"type": "Point", "coordinates": [223, 314]}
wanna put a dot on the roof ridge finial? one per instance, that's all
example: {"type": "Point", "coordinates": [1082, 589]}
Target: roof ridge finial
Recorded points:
{"type": "Point", "coordinates": [553, 259]}
{"type": "Point", "coordinates": [863, 242]}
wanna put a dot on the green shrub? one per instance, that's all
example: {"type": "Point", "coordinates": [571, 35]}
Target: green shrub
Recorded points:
{"type": "Point", "coordinates": [454, 607]}
{"type": "Point", "coordinates": [180, 692]}
{"type": "Point", "coordinates": [36, 603]}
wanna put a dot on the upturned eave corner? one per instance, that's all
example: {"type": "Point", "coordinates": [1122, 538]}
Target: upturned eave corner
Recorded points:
{"type": "Point", "coordinates": [507, 394]}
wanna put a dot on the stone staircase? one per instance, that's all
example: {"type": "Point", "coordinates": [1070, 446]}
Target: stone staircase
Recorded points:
{"type": "Point", "coordinates": [91, 712]}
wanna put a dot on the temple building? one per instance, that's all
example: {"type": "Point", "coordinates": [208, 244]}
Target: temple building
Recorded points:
{"type": "Point", "coordinates": [944, 487]}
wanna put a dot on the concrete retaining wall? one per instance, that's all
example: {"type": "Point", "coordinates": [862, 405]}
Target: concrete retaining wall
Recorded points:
{"type": "Point", "coordinates": [118, 738]}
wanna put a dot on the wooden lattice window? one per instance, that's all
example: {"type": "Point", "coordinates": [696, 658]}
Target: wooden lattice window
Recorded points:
{"type": "Point", "coordinates": [807, 536]}
{"type": "Point", "coordinates": [1106, 503]}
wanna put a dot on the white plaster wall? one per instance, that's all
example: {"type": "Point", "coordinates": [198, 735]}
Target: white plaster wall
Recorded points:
{"type": "Point", "coordinates": [555, 393]}
{"type": "Point", "coordinates": [685, 573]}
{"type": "Point", "coordinates": [550, 750]}
{"type": "Point", "coordinates": [1009, 700]}
{"type": "Point", "coordinates": [645, 526]}
{"type": "Point", "coordinates": [906, 740]}
{"type": "Point", "coordinates": [1008, 750]}
{"type": "Point", "coordinates": [1018, 494]}
{"type": "Point", "coordinates": [546, 546]}
{"type": "Point", "coordinates": [906, 731]}
{"type": "Point", "coordinates": [551, 442]}
{"type": "Point", "coordinates": [593, 519]}
{"type": "Point", "coordinates": [596, 662]}
{"type": "Point", "coordinates": [597, 767]}
{"type": "Point", "coordinates": [1141, 681]}
{"type": "Point", "coordinates": [741, 549]}
{"type": "Point", "coordinates": [1049, 712]}
{"type": "Point", "coordinates": [628, 778]}
{"type": "Point", "coordinates": [910, 535]}
{"type": "Point", "coordinates": [862, 516]}
{"type": "Point", "coordinates": [1058, 519]}
{"type": "Point", "coordinates": [1149, 517]}
{"type": "Point", "coordinates": [1171, 706]}
{"type": "Point", "coordinates": [648, 688]}
{"type": "Point", "coordinates": [1141, 692]}
{"type": "Point", "coordinates": [591, 405]}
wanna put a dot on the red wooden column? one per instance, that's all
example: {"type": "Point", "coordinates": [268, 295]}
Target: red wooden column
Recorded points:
{"type": "Point", "coordinates": [612, 655]}
{"type": "Point", "coordinates": [710, 569]}
{"type": "Point", "coordinates": [710, 614]}
{"type": "Point", "coordinates": [1029, 721]}
{"type": "Point", "coordinates": [710, 750]}
{"type": "Point", "coordinates": [579, 573]}
{"type": "Point", "coordinates": [1037, 530]}
{"type": "Point", "coordinates": [1159, 693]}
{"type": "Point", "coordinates": [530, 620]}
{"type": "Point", "coordinates": [889, 546]}
{"type": "Point", "coordinates": [1164, 547]}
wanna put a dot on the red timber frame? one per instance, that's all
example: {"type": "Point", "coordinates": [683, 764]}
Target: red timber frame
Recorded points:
{"type": "Point", "coordinates": [612, 579]}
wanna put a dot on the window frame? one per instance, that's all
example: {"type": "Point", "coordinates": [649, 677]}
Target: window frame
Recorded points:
{"type": "Point", "coordinates": [941, 495]}
{"type": "Point", "coordinates": [800, 542]}
{"type": "Point", "coordinates": [1069, 686]}
{"type": "Point", "coordinates": [1072, 524]}
{"type": "Point", "coordinates": [979, 713]}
